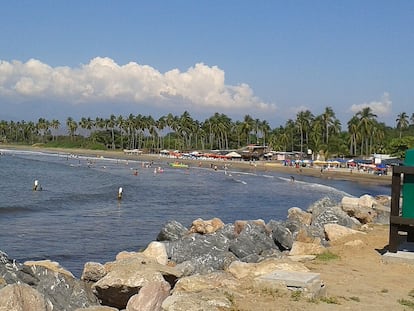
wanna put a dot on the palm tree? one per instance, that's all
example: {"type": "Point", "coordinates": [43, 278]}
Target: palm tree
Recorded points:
{"type": "Point", "coordinates": [265, 129]}
{"type": "Point", "coordinates": [402, 122]}
{"type": "Point", "coordinates": [87, 124]}
{"type": "Point", "coordinates": [316, 134]}
{"type": "Point", "coordinates": [54, 124]}
{"type": "Point", "coordinates": [160, 125]}
{"type": "Point", "coordinates": [224, 130]}
{"type": "Point", "coordinates": [328, 119]}
{"type": "Point", "coordinates": [301, 122]}
{"type": "Point", "coordinates": [42, 126]}
{"type": "Point", "coordinates": [72, 126]}
{"type": "Point", "coordinates": [247, 126]}
{"type": "Point", "coordinates": [3, 130]}
{"type": "Point", "coordinates": [120, 121]}
{"type": "Point", "coordinates": [111, 123]}
{"type": "Point", "coordinates": [354, 135]}
{"type": "Point", "coordinates": [365, 125]}
{"type": "Point", "coordinates": [290, 131]}
{"type": "Point", "coordinates": [172, 124]}
{"type": "Point", "coordinates": [281, 139]}
{"type": "Point", "coordinates": [130, 125]}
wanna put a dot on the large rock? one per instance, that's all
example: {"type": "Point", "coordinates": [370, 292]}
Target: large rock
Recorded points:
{"type": "Point", "coordinates": [13, 272]}
{"type": "Point", "coordinates": [281, 235]}
{"type": "Point", "coordinates": [198, 253]}
{"type": "Point", "coordinates": [335, 232]}
{"type": "Point", "coordinates": [319, 206]}
{"type": "Point", "coordinates": [228, 231]}
{"type": "Point", "coordinates": [150, 297]}
{"type": "Point", "coordinates": [196, 245]}
{"type": "Point", "coordinates": [59, 287]}
{"type": "Point", "coordinates": [296, 213]}
{"type": "Point", "coordinates": [310, 234]}
{"type": "Point", "coordinates": [367, 201]}
{"type": "Point", "coordinates": [383, 200]}
{"type": "Point", "coordinates": [216, 300]}
{"type": "Point", "coordinates": [239, 225]}
{"type": "Point", "coordinates": [368, 209]}
{"type": "Point", "coordinates": [308, 283]}
{"type": "Point", "coordinates": [253, 239]}
{"type": "Point", "coordinates": [22, 297]}
{"type": "Point", "coordinates": [206, 226]}
{"type": "Point", "coordinates": [300, 248]}
{"type": "Point", "coordinates": [242, 270]}
{"type": "Point", "coordinates": [157, 251]}
{"type": "Point", "coordinates": [198, 283]}
{"type": "Point", "coordinates": [361, 209]}
{"type": "Point", "coordinates": [206, 263]}
{"type": "Point", "coordinates": [93, 272]}
{"type": "Point", "coordinates": [172, 231]}
{"type": "Point", "coordinates": [203, 292]}
{"type": "Point", "coordinates": [332, 214]}
{"type": "Point", "coordinates": [126, 277]}
{"type": "Point", "coordinates": [294, 226]}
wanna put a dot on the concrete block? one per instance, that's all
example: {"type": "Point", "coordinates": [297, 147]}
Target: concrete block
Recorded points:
{"type": "Point", "coordinates": [308, 283]}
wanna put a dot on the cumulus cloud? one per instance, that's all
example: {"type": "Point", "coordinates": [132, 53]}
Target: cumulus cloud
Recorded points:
{"type": "Point", "coordinates": [201, 87]}
{"type": "Point", "coordinates": [381, 108]}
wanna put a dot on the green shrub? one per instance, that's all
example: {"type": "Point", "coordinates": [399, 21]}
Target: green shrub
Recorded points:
{"type": "Point", "coordinates": [327, 256]}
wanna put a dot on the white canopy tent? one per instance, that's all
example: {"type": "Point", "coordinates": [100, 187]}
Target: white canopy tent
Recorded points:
{"type": "Point", "coordinates": [233, 154]}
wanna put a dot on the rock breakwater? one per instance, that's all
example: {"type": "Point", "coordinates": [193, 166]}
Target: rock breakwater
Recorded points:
{"type": "Point", "coordinates": [204, 267]}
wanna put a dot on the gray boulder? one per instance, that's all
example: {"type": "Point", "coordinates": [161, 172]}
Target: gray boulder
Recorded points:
{"type": "Point", "coordinates": [228, 231]}
{"type": "Point", "coordinates": [281, 235]}
{"type": "Point", "coordinates": [13, 272]}
{"type": "Point", "coordinates": [319, 206]}
{"type": "Point", "coordinates": [332, 215]}
{"type": "Point", "coordinates": [60, 288]}
{"type": "Point", "coordinates": [196, 245]}
{"type": "Point", "coordinates": [253, 239]}
{"type": "Point", "coordinates": [172, 231]}
{"type": "Point", "coordinates": [197, 253]}
{"type": "Point", "coordinates": [207, 263]}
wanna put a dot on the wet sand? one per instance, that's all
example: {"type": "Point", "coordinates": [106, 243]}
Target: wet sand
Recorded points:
{"type": "Point", "coordinates": [274, 166]}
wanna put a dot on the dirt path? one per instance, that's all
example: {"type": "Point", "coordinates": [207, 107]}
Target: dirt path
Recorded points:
{"type": "Point", "coordinates": [357, 280]}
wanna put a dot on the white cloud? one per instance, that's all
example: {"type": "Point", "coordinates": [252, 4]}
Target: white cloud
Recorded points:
{"type": "Point", "coordinates": [102, 80]}
{"type": "Point", "coordinates": [381, 108]}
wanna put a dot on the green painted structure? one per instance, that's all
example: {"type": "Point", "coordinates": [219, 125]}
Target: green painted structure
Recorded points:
{"type": "Point", "coordinates": [408, 187]}
{"type": "Point", "coordinates": [402, 203]}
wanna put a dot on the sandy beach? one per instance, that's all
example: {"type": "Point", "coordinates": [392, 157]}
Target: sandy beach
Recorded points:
{"type": "Point", "coordinates": [274, 166]}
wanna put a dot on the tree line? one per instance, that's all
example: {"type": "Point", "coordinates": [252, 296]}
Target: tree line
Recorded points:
{"type": "Point", "coordinates": [361, 136]}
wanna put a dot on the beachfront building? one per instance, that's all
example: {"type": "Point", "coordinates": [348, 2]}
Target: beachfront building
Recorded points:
{"type": "Point", "coordinates": [253, 152]}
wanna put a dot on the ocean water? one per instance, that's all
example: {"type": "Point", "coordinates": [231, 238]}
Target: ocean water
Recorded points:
{"type": "Point", "coordinates": [77, 217]}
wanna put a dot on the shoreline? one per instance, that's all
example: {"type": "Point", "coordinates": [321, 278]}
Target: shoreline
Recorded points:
{"type": "Point", "coordinates": [263, 166]}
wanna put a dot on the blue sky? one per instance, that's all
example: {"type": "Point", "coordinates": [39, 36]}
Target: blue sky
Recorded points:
{"type": "Point", "coordinates": [269, 59]}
